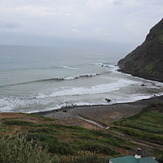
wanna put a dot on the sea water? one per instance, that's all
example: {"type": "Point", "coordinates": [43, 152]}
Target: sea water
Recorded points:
{"type": "Point", "coordinates": [34, 79]}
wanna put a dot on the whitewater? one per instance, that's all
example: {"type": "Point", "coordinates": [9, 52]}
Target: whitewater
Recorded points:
{"type": "Point", "coordinates": [34, 79]}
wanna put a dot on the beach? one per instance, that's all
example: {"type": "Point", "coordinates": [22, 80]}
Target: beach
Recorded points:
{"type": "Point", "coordinates": [51, 80]}
{"type": "Point", "coordinates": [101, 114]}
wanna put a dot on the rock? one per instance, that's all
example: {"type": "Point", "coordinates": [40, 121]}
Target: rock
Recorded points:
{"type": "Point", "coordinates": [147, 59]}
{"type": "Point", "coordinates": [108, 100]}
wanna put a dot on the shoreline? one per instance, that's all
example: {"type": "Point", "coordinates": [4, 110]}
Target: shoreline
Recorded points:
{"type": "Point", "coordinates": [102, 114]}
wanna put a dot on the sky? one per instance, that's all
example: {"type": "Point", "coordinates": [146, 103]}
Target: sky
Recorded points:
{"type": "Point", "coordinates": [107, 24]}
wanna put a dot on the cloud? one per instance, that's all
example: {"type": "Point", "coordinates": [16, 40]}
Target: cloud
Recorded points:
{"type": "Point", "coordinates": [9, 25]}
{"type": "Point", "coordinates": [117, 2]}
{"type": "Point", "coordinates": [75, 30]}
{"type": "Point", "coordinates": [102, 20]}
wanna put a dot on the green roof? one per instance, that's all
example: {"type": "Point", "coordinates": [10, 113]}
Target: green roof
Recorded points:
{"type": "Point", "coordinates": [132, 159]}
{"type": "Point", "coordinates": [148, 160]}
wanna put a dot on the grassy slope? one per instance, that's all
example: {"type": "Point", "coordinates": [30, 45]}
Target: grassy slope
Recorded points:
{"type": "Point", "coordinates": [73, 141]}
{"type": "Point", "coordinates": [145, 127]}
{"type": "Point", "coordinates": [146, 60]}
{"type": "Point", "coordinates": [65, 141]}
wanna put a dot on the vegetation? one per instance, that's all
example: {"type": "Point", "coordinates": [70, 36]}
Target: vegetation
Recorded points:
{"type": "Point", "coordinates": [148, 120]}
{"type": "Point", "coordinates": [31, 138]}
{"type": "Point", "coordinates": [16, 149]}
{"type": "Point", "coordinates": [87, 157]}
{"type": "Point", "coordinates": [146, 60]}
{"type": "Point", "coordinates": [147, 126]}
{"type": "Point", "coordinates": [60, 142]}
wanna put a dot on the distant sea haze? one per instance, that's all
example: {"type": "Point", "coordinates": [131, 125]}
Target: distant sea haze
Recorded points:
{"type": "Point", "coordinates": [34, 79]}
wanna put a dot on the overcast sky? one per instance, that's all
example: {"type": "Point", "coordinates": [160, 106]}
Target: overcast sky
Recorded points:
{"type": "Point", "coordinates": [87, 23]}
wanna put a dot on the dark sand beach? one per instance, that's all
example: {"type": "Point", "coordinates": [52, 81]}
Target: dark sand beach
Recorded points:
{"type": "Point", "coordinates": [102, 114]}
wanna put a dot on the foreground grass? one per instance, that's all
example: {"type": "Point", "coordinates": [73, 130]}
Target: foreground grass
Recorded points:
{"type": "Point", "coordinates": [38, 138]}
{"type": "Point", "coordinates": [62, 143]}
{"type": "Point", "coordinates": [16, 149]}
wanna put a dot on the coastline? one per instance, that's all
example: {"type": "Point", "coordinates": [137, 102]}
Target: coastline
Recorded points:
{"type": "Point", "coordinates": [102, 114]}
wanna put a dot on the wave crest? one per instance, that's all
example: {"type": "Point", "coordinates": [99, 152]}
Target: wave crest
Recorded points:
{"type": "Point", "coordinates": [53, 79]}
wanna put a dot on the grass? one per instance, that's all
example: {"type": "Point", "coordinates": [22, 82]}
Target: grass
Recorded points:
{"type": "Point", "coordinates": [17, 123]}
{"type": "Point", "coordinates": [62, 140]}
{"type": "Point", "coordinates": [159, 155]}
{"type": "Point", "coordinates": [16, 149]}
{"type": "Point", "coordinates": [150, 121]}
{"type": "Point", "coordinates": [87, 157]}
{"type": "Point", "coordinates": [145, 126]}
{"type": "Point", "coordinates": [75, 144]}
{"type": "Point", "coordinates": [45, 119]}
{"type": "Point", "coordinates": [161, 38]}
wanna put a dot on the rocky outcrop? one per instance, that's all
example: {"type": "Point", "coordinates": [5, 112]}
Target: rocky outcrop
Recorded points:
{"type": "Point", "coordinates": [147, 59]}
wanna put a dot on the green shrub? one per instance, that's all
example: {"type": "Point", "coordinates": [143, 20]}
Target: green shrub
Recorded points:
{"type": "Point", "coordinates": [99, 148]}
{"type": "Point", "coordinates": [86, 157]}
{"type": "Point", "coordinates": [53, 144]}
{"type": "Point", "coordinates": [16, 149]}
{"type": "Point", "coordinates": [99, 133]}
{"type": "Point", "coordinates": [160, 159]}
{"type": "Point", "coordinates": [61, 148]}
{"type": "Point", "coordinates": [45, 130]}
{"type": "Point", "coordinates": [17, 122]}
{"type": "Point", "coordinates": [39, 137]}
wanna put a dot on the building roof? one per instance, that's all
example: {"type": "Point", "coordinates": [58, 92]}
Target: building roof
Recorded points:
{"type": "Point", "coordinates": [132, 159]}
{"type": "Point", "coordinates": [148, 160]}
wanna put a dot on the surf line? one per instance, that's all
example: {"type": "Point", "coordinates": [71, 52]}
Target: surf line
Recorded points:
{"type": "Point", "coordinates": [93, 122]}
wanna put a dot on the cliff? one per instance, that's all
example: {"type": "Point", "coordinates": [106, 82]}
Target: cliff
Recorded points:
{"type": "Point", "coordinates": [147, 59]}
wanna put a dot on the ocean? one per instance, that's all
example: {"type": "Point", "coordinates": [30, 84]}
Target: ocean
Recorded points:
{"type": "Point", "coordinates": [34, 79]}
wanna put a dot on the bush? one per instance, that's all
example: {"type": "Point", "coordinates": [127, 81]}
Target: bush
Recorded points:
{"type": "Point", "coordinates": [52, 143]}
{"type": "Point", "coordinates": [16, 149]}
{"type": "Point", "coordinates": [61, 148]}
{"type": "Point", "coordinates": [17, 123]}
{"type": "Point", "coordinates": [86, 157]}
{"type": "Point", "coordinates": [160, 159]}
{"type": "Point", "coordinates": [99, 148]}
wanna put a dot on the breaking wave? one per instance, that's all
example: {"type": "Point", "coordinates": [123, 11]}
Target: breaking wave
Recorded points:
{"type": "Point", "coordinates": [68, 67]}
{"type": "Point", "coordinates": [54, 79]}
{"type": "Point", "coordinates": [97, 89]}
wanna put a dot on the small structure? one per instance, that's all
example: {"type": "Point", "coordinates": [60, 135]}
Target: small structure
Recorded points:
{"type": "Point", "coordinates": [133, 159]}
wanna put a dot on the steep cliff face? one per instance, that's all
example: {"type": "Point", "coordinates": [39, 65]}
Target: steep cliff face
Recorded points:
{"type": "Point", "coordinates": [147, 59]}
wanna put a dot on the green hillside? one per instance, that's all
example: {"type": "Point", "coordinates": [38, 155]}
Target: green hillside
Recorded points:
{"type": "Point", "coordinates": [68, 143]}
{"type": "Point", "coordinates": [147, 59]}
{"type": "Point", "coordinates": [145, 127]}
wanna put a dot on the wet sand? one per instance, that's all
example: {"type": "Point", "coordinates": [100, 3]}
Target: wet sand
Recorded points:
{"type": "Point", "coordinates": [102, 114]}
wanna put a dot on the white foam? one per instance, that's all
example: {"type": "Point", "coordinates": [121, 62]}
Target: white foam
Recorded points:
{"type": "Point", "coordinates": [114, 68]}
{"type": "Point", "coordinates": [66, 105]}
{"type": "Point", "coordinates": [108, 66]}
{"type": "Point", "coordinates": [98, 89]}
{"type": "Point", "coordinates": [45, 109]}
{"type": "Point", "coordinates": [80, 76]}
{"type": "Point", "coordinates": [5, 105]}
{"type": "Point", "coordinates": [8, 104]}
{"type": "Point", "coordinates": [132, 98]}
{"type": "Point", "coordinates": [68, 67]}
